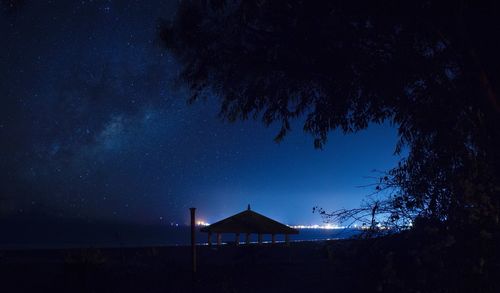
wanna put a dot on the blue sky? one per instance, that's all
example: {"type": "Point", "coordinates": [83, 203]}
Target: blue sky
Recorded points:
{"type": "Point", "coordinates": [95, 127]}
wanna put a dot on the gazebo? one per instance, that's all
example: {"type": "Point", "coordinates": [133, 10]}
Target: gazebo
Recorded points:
{"type": "Point", "coordinates": [248, 222]}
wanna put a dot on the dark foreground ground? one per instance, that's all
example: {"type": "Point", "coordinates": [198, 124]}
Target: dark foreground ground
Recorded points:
{"type": "Point", "coordinates": [386, 265]}
{"type": "Point", "coordinates": [253, 268]}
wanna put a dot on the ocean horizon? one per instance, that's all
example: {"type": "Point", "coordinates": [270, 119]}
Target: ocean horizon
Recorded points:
{"type": "Point", "coordinates": [87, 235]}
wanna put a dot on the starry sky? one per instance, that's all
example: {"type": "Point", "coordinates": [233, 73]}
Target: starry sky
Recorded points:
{"type": "Point", "coordinates": [95, 126]}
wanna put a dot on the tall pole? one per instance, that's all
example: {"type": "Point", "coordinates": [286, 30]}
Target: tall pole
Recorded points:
{"type": "Point", "coordinates": [193, 238]}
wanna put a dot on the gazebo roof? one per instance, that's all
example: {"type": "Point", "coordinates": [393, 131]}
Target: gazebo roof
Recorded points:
{"type": "Point", "coordinates": [249, 221]}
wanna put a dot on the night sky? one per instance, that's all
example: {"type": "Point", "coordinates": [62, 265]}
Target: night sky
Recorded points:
{"type": "Point", "coordinates": [94, 126]}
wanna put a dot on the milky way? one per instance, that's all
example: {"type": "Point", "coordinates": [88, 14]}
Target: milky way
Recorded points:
{"type": "Point", "coordinates": [94, 126]}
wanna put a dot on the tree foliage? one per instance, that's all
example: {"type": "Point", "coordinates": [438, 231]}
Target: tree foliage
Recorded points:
{"type": "Point", "coordinates": [428, 67]}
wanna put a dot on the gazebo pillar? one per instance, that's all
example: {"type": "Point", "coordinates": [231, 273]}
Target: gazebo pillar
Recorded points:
{"type": "Point", "coordinates": [247, 238]}
{"type": "Point", "coordinates": [219, 239]}
{"type": "Point", "coordinates": [260, 238]}
{"type": "Point", "coordinates": [287, 239]}
{"type": "Point", "coordinates": [237, 239]}
{"type": "Point", "coordinates": [273, 238]}
{"type": "Point", "coordinates": [209, 239]}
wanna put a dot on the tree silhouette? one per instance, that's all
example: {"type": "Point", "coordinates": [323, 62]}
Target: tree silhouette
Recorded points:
{"type": "Point", "coordinates": [428, 67]}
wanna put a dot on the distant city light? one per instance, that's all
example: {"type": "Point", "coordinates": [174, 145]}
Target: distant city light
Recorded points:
{"type": "Point", "coordinates": [202, 223]}
{"type": "Point", "coordinates": [326, 227]}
